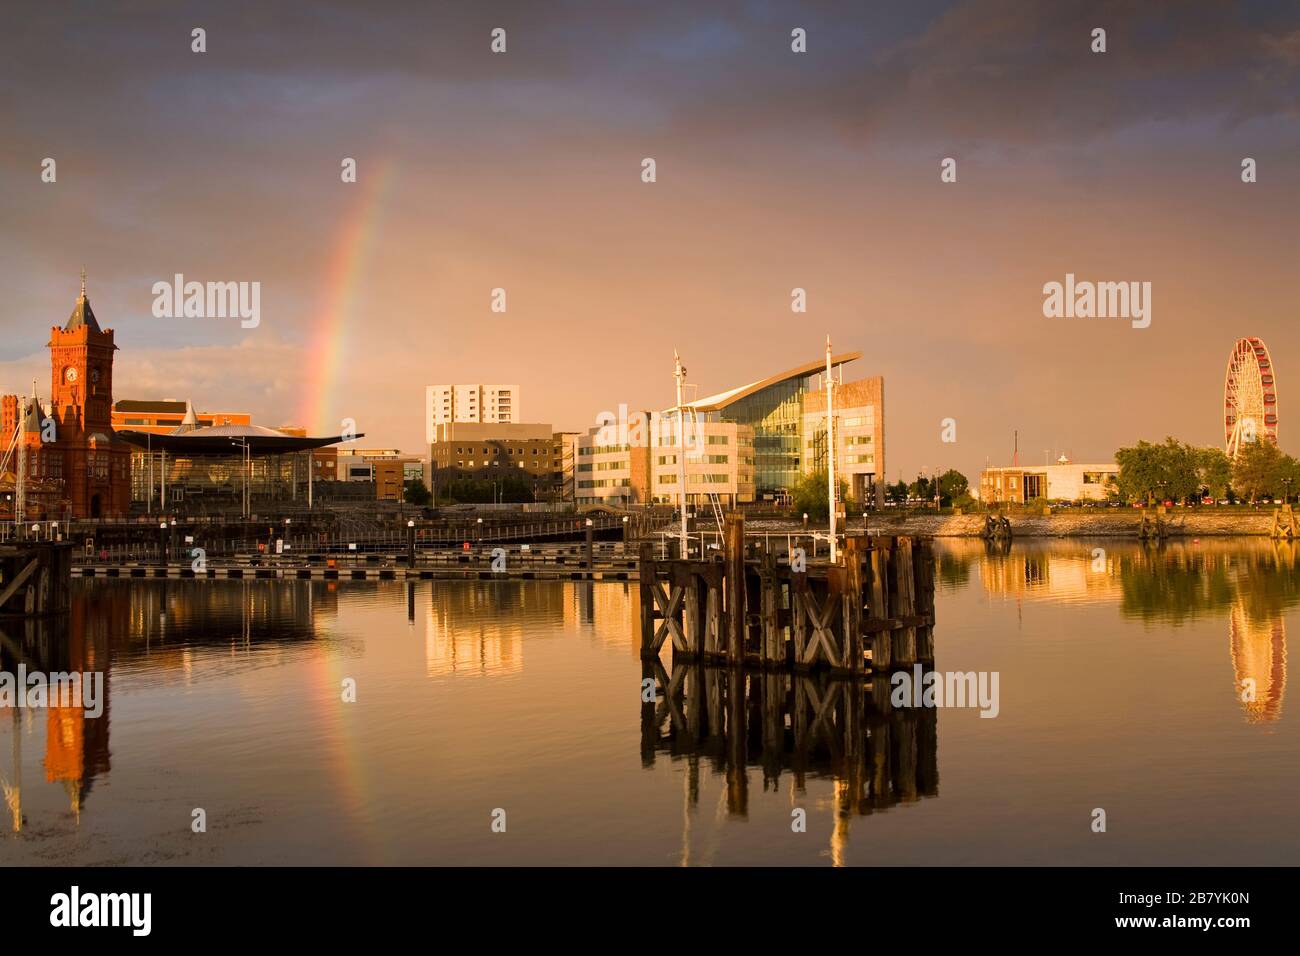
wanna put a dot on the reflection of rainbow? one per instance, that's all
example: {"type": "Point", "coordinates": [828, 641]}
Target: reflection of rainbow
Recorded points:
{"type": "Point", "coordinates": [335, 726]}
{"type": "Point", "coordinates": [329, 340]}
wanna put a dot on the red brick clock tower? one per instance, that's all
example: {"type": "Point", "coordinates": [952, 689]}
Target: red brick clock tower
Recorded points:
{"type": "Point", "coordinates": [96, 467]}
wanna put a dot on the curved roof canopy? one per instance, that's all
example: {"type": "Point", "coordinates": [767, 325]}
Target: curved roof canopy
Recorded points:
{"type": "Point", "coordinates": [228, 440]}
{"type": "Point", "coordinates": [721, 400]}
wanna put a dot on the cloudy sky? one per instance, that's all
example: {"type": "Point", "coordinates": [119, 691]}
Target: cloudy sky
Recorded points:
{"type": "Point", "coordinates": [775, 170]}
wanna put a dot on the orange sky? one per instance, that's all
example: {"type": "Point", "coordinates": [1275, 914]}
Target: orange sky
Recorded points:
{"type": "Point", "coordinates": [775, 170]}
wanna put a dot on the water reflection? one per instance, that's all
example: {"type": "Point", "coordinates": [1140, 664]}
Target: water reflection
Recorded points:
{"type": "Point", "coordinates": [494, 691]}
{"type": "Point", "coordinates": [153, 626]}
{"type": "Point", "coordinates": [806, 725]}
{"type": "Point", "coordinates": [76, 746]}
{"type": "Point", "coordinates": [478, 630]}
{"type": "Point", "coordinates": [1252, 582]}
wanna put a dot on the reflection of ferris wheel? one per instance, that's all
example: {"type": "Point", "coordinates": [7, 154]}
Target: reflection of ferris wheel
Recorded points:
{"type": "Point", "coordinates": [1249, 396]}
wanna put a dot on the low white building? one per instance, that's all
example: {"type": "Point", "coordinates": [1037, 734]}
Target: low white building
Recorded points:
{"type": "Point", "coordinates": [1063, 481]}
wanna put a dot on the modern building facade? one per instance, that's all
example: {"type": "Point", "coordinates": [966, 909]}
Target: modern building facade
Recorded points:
{"type": "Point", "coordinates": [388, 468]}
{"type": "Point", "coordinates": [859, 436]}
{"type": "Point", "coordinates": [223, 469]}
{"type": "Point", "coordinates": [564, 464]}
{"type": "Point", "coordinates": [324, 461]}
{"type": "Point", "coordinates": [748, 443]}
{"type": "Point", "coordinates": [1063, 481]}
{"type": "Point", "coordinates": [482, 404]}
{"type": "Point", "coordinates": [494, 451]}
{"type": "Point", "coordinates": [785, 412]}
{"type": "Point", "coordinates": [635, 463]}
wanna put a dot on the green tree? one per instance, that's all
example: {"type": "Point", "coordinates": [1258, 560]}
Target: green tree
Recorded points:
{"type": "Point", "coordinates": [1148, 471]}
{"type": "Point", "coordinates": [897, 491]}
{"type": "Point", "coordinates": [810, 495]}
{"type": "Point", "coordinates": [921, 488]}
{"type": "Point", "coordinates": [414, 493]}
{"type": "Point", "coordinates": [1214, 471]}
{"type": "Point", "coordinates": [1260, 469]}
{"type": "Point", "coordinates": [953, 488]}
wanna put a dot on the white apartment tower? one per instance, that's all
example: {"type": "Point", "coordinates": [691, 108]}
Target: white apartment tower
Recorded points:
{"type": "Point", "coordinates": [484, 404]}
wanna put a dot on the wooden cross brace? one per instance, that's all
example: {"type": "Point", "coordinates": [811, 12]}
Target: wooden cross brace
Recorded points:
{"type": "Point", "coordinates": [672, 692]}
{"type": "Point", "coordinates": [821, 620]}
{"type": "Point", "coordinates": [669, 606]}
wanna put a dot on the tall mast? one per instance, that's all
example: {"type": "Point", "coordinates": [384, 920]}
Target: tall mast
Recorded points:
{"type": "Point", "coordinates": [830, 448]}
{"type": "Point", "coordinates": [20, 475]}
{"type": "Point", "coordinates": [679, 373]}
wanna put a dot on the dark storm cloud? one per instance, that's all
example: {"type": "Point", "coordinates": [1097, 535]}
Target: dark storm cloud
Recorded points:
{"type": "Point", "coordinates": [984, 70]}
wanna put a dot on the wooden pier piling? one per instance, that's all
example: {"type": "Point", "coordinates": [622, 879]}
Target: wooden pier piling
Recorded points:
{"type": "Point", "coordinates": [871, 611]}
{"type": "Point", "coordinates": [35, 578]}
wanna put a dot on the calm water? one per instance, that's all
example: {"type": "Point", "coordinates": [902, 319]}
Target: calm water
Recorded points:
{"type": "Point", "coordinates": [1119, 683]}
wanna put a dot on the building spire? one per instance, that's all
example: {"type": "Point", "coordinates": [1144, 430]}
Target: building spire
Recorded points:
{"type": "Point", "coordinates": [82, 314]}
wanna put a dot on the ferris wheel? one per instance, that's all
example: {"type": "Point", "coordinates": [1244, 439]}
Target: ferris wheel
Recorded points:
{"type": "Point", "coordinates": [1249, 396]}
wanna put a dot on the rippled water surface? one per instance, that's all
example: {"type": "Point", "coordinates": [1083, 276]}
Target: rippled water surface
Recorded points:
{"type": "Point", "coordinates": [1122, 674]}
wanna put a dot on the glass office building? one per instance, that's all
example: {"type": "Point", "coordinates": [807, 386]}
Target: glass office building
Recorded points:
{"type": "Point", "coordinates": [774, 409]}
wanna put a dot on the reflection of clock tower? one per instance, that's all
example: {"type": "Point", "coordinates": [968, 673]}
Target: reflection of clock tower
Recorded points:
{"type": "Point", "coordinates": [96, 468]}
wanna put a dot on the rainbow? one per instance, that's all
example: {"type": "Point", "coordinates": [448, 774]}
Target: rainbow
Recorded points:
{"type": "Point", "coordinates": [338, 313]}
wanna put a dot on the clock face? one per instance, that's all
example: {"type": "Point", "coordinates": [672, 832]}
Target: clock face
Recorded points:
{"type": "Point", "coordinates": [70, 374]}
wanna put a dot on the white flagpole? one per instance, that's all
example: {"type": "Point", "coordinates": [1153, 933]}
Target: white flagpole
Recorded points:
{"type": "Point", "coordinates": [830, 450]}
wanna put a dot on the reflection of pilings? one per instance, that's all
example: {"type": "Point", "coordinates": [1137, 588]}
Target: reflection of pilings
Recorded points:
{"type": "Point", "coordinates": [737, 779]}
{"type": "Point", "coordinates": [878, 755]}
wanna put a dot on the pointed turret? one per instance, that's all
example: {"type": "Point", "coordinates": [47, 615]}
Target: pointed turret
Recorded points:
{"type": "Point", "coordinates": [189, 423]}
{"type": "Point", "coordinates": [35, 414]}
{"type": "Point", "coordinates": [82, 313]}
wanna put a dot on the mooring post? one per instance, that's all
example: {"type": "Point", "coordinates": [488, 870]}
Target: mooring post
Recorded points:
{"type": "Point", "coordinates": [881, 640]}
{"type": "Point", "coordinates": [646, 580]}
{"type": "Point", "coordinates": [591, 537]}
{"type": "Point", "coordinates": [854, 601]}
{"type": "Point", "coordinates": [694, 630]}
{"type": "Point", "coordinates": [772, 650]}
{"type": "Point", "coordinates": [799, 614]}
{"type": "Point", "coordinates": [904, 603]}
{"type": "Point", "coordinates": [923, 575]}
{"type": "Point", "coordinates": [410, 544]}
{"type": "Point", "coordinates": [734, 563]}
{"type": "Point", "coordinates": [713, 583]}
